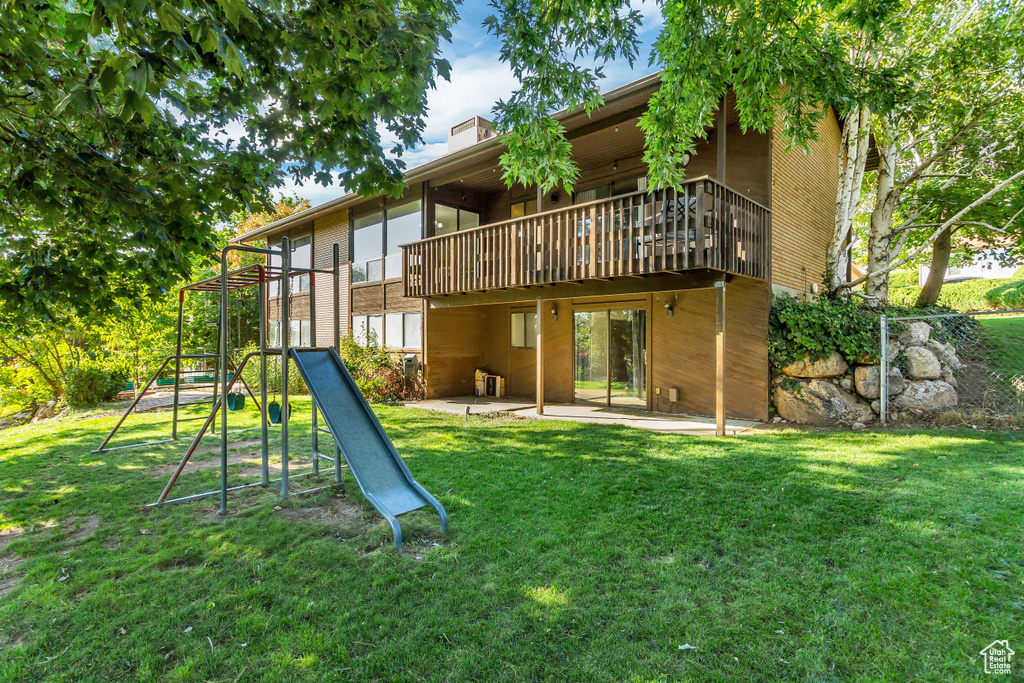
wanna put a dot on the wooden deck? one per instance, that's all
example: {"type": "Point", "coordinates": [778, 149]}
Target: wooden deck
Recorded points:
{"type": "Point", "coordinates": [699, 225]}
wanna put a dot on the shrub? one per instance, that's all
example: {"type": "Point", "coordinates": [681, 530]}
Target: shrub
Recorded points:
{"type": "Point", "coordinates": [88, 385]}
{"type": "Point", "coordinates": [21, 388]}
{"type": "Point", "coordinates": [378, 373]}
{"type": "Point", "coordinates": [970, 295]}
{"type": "Point", "coordinates": [903, 278]}
{"type": "Point", "coordinates": [1008, 294]}
{"type": "Point", "coordinates": [816, 328]}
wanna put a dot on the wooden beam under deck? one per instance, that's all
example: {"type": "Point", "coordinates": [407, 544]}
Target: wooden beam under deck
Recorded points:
{"type": "Point", "coordinates": [666, 282]}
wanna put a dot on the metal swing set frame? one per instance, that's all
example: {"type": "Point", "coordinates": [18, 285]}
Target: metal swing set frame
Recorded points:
{"type": "Point", "coordinates": [258, 275]}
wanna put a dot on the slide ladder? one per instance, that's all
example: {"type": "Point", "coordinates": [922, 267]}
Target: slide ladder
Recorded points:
{"type": "Point", "coordinates": [379, 470]}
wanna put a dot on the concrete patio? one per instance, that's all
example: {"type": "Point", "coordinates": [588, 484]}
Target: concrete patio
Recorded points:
{"type": "Point", "coordinates": [669, 423]}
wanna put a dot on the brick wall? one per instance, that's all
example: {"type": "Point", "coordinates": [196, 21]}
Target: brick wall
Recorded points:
{"type": "Point", "coordinates": [328, 230]}
{"type": "Point", "coordinates": [803, 206]}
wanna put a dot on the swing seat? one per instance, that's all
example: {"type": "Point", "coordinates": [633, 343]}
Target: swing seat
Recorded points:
{"type": "Point", "coordinates": [236, 401]}
{"type": "Point", "coordinates": [274, 412]}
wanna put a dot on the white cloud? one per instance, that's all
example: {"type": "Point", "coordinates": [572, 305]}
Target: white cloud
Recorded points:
{"type": "Point", "coordinates": [316, 194]}
{"type": "Point", "coordinates": [425, 153]}
{"type": "Point", "coordinates": [651, 11]}
{"type": "Point", "coordinates": [477, 82]}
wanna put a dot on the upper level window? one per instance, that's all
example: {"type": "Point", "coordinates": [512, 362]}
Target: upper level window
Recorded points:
{"type": "Point", "coordinates": [377, 240]}
{"type": "Point", "coordinates": [367, 241]}
{"type": "Point", "coordinates": [449, 219]}
{"type": "Point", "coordinates": [403, 226]}
{"type": "Point", "coordinates": [302, 257]}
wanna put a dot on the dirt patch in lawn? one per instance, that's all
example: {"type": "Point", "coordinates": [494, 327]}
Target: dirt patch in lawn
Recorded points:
{"type": "Point", "coordinates": [209, 463]}
{"type": "Point", "coordinates": [337, 512]}
{"type": "Point", "coordinates": [418, 548]}
{"type": "Point", "coordinates": [232, 446]}
{"type": "Point", "coordinates": [87, 529]}
{"type": "Point", "coordinates": [8, 536]}
{"type": "Point", "coordinates": [8, 564]}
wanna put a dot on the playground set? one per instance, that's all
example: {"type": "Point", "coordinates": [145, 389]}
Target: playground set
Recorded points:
{"type": "Point", "coordinates": [360, 440]}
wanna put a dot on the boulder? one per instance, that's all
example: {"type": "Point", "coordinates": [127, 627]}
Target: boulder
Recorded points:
{"type": "Point", "coordinates": [922, 363]}
{"type": "Point", "coordinates": [926, 395]}
{"type": "Point", "coordinates": [45, 412]}
{"type": "Point", "coordinates": [867, 381]}
{"type": "Point", "coordinates": [946, 354]}
{"type": "Point", "coordinates": [830, 366]}
{"type": "Point", "coordinates": [817, 402]}
{"type": "Point", "coordinates": [876, 407]}
{"type": "Point", "coordinates": [916, 334]}
{"type": "Point", "coordinates": [870, 358]}
{"type": "Point", "coordinates": [846, 383]}
{"type": "Point", "coordinates": [947, 377]}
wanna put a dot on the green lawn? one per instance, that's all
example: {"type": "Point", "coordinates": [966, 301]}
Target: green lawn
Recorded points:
{"type": "Point", "coordinates": [1006, 339]}
{"type": "Point", "coordinates": [575, 553]}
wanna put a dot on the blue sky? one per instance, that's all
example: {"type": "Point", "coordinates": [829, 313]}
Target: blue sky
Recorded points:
{"type": "Point", "coordinates": [479, 79]}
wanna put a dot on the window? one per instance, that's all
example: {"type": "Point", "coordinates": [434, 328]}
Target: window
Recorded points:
{"type": "Point", "coordinates": [413, 331]}
{"type": "Point", "coordinates": [377, 240]}
{"type": "Point", "coordinates": [402, 330]}
{"type": "Point", "coordinates": [521, 209]}
{"type": "Point", "coordinates": [629, 186]}
{"type": "Point", "coordinates": [404, 225]}
{"type": "Point", "coordinates": [367, 329]}
{"type": "Point", "coordinates": [299, 333]}
{"type": "Point", "coordinates": [591, 193]}
{"type": "Point", "coordinates": [302, 257]}
{"type": "Point", "coordinates": [367, 242]}
{"type": "Point", "coordinates": [524, 330]}
{"type": "Point", "coordinates": [274, 331]}
{"type": "Point", "coordinates": [448, 219]}
{"type": "Point", "coordinates": [393, 330]}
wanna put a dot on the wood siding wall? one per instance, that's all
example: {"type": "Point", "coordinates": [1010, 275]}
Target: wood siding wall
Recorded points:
{"type": "Point", "coordinates": [684, 350]}
{"type": "Point", "coordinates": [803, 206]}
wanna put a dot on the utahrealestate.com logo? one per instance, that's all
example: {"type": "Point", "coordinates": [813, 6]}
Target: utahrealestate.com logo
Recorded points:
{"type": "Point", "coordinates": [997, 657]}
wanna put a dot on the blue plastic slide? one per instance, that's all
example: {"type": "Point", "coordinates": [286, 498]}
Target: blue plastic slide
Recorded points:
{"type": "Point", "coordinates": [380, 472]}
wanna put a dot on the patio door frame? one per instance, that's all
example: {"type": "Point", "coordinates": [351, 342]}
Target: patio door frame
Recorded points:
{"type": "Point", "coordinates": [643, 304]}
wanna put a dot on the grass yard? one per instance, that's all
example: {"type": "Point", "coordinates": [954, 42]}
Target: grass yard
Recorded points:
{"type": "Point", "coordinates": [575, 553]}
{"type": "Point", "coordinates": [1006, 339]}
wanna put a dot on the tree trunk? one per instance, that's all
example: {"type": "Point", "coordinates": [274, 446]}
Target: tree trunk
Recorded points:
{"type": "Point", "coordinates": [852, 159]}
{"type": "Point", "coordinates": [880, 237]}
{"type": "Point", "coordinates": [941, 249]}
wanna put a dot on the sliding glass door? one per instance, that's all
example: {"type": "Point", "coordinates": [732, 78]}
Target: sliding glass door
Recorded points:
{"type": "Point", "coordinates": [610, 357]}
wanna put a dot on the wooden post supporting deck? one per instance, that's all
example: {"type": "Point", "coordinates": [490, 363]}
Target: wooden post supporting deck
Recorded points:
{"type": "Point", "coordinates": [720, 358]}
{"type": "Point", "coordinates": [540, 357]}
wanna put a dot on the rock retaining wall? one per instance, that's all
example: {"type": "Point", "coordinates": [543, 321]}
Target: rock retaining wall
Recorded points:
{"type": "Point", "coordinates": [830, 391]}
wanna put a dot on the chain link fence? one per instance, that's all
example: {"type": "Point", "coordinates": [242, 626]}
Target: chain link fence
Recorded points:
{"type": "Point", "coordinates": [956, 368]}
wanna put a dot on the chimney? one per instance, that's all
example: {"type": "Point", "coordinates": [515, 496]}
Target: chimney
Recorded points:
{"type": "Point", "coordinates": [469, 133]}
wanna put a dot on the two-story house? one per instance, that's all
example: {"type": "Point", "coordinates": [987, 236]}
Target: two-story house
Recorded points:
{"type": "Point", "coordinates": [613, 293]}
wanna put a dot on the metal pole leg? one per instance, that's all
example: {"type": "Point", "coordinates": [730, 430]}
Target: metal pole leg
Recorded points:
{"type": "Point", "coordinates": [177, 364]}
{"type": "Point", "coordinates": [223, 328]}
{"type": "Point", "coordinates": [315, 434]}
{"type": "Point", "coordinates": [285, 333]}
{"type": "Point", "coordinates": [337, 342]}
{"type": "Point", "coordinates": [264, 436]}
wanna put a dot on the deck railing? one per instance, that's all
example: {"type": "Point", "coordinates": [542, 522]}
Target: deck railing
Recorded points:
{"type": "Point", "coordinates": [701, 224]}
